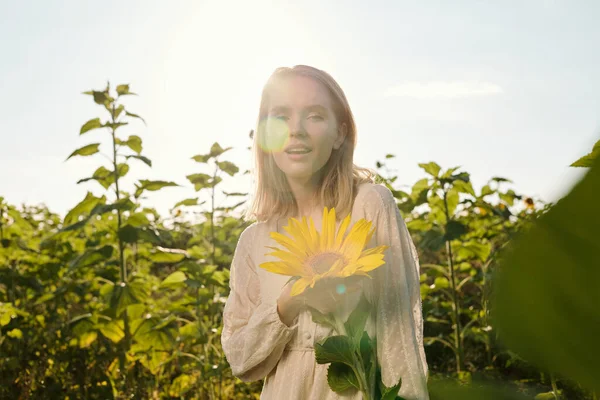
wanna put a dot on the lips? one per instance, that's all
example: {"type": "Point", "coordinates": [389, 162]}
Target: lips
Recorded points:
{"type": "Point", "coordinates": [297, 149]}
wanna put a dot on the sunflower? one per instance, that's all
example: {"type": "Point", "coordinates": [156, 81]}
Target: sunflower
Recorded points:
{"type": "Point", "coordinates": [312, 256]}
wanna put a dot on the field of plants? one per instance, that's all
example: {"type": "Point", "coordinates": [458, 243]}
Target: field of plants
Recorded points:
{"type": "Point", "coordinates": [115, 301]}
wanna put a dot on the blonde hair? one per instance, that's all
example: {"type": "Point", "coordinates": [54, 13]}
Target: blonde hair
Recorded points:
{"type": "Point", "coordinates": [339, 178]}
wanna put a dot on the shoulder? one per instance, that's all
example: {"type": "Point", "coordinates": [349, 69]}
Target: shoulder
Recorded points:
{"type": "Point", "coordinates": [252, 233]}
{"type": "Point", "coordinates": [374, 195]}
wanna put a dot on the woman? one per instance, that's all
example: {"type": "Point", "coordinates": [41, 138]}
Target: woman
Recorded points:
{"type": "Point", "coordinates": [304, 146]}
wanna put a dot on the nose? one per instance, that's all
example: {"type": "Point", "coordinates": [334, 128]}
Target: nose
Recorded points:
{"type": "Point", "coordinates": [296, 126]}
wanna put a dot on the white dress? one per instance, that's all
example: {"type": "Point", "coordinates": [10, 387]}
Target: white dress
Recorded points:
{"type": "Point", "coordinates": [259, 345]}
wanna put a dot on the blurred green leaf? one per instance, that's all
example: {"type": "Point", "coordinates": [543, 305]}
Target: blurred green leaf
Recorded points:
{"type": "Point", "coordinates": [546, 289]}
{"type": "Point", "coordinates": [451, 390]}
{"type": "Point", "coordinates": [187, 202]}
{"type": "Point", "coordinates": [228, 167]}
{"type": "Point", "coordinates": [174, 279]}
{"type": "Point", "coordinates": [431, 168]}
{"type": "Point", "coordinates": [589, 159]}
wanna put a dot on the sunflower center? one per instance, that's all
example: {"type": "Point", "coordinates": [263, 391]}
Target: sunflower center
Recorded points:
{"type": "Point", "coordinates": [321, 263]}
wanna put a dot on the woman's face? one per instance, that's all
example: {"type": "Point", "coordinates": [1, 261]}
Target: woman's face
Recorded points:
{"type": "Point", "coordinates": [302, 125]}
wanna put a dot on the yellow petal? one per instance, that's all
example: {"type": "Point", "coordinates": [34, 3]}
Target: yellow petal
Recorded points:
{"type": "Point", "coordinates": [300, 285]}
{"type": "Point", "coordinates": [282, 268]}
{"type": "Point", "coordinates": [314, 236]}
{"type": "Point", "coordinates": [289, 244]}
{"type": "Point", "coordinates": [341, 231]}
{"type": "Point", "coordinates": [355, 241]}
{"type": "Point", "coordinates": [331, 229]}
{"type": "Point", "coordinates": [370, 262]}
{"type": "Point", "coordinates": [288, 258]}
{"type": "Point", "coordinates": [374, 250]}
{"type": "Point", "coordinates": [324, 228]}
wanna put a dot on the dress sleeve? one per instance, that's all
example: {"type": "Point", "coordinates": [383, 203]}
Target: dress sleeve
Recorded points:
{"type": "Point", "coordinates": [253, 336]}
{"type": "Point", "coordinates": [399, 325]}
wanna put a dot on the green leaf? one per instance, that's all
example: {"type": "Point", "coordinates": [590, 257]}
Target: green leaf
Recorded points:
{"type": "Point", "coordinates": [101, 98]}
{"type": "Point", "coordinates": [334, 349]}
{"type": "Point", "coordinates": [463, 176]}
{"type": "Point", "coordinates": [113, 330]}
{"type": "Point", "coordinates": [389, 156]}
{"type": "Point", "coordinates": [175, 279]}
{"type": "Point", "coordinates": [134, 143]}
{"type": "Point", "coordinates": [486, 190]}
{"type": "Point", "coordinates": [355, 325]}
{"type": "Point", "coordinates": [187, 202]}
{"type": "Point", "coordinates": [464, 187]}
{"type": "Point", "coordinates": [162, 255]}
{"type": "Point", "coordinates": [455, 230]}
{"type": "Point", "coordinates": [154, 333]}
{"type": "Point", "coordinates": [341, 378]}
{"type": "Point", "coordinates": [199, 180]}
{"type": "Point", "coordinates": [92, 256]}
{"type": "Point", "coordinates": [91, 124]}
{"type": "Point", "coordinates": [452, 199]}
{"type": "Point", "coordinates": [15, 333]}
{"type": "Point", "coordinates": [118, 111]}
{"type": "Point", "coordinates": [391, 392]}
{"type": "Point", "coordinates": [431, 168]}
{"type": "Point", "coordinates": [125, 294]}
{"type": "Point", "coordinates": [156, 185]}
{"type": "Point", "coordinates": [103, 176]}
{"type": "Point", "coordinates": [181, 385]}
{"type": "Point", "coordinates": [419, 191]}
{"type": "Point", "coordinates": [446, 175]}
{"type": "Point", "coordinates": [144, 159]}
{"type": "Point", "coordinates": [320, 318]}
{"type": "Point", "coordinates": [87, 339]}
{"type": "Point", "coordinates": [433, 239]}
{"type": "Point", "coordinates": [85, 206]}
{"type": "Point", "coordinates": [201, 158]}
{"type": "Point", "coordinates": [473, 249]}
{"type": "Point", "coordinates": [86, 150]}
{"type": "Point", "coordinates": [228, 167]}
{"type": "Point", "coordinates": [122, 169]}
{"type": "Point", "coordinates": [216, 150]}
{"type": "Point", "coordinates": [451, 390]}
{"type": "Point", "coordinates": [135, 116]}
{"type": "Point", "coordinates": [546, 288]}
{"type": "Point", "coordinates": [123, 90]}
{"type": "Point", "coordinates": [128, 234]}
{"type": "Point", "coordinates": [589, 159]}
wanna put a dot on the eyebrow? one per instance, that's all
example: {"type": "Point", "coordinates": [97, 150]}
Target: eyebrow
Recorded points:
{"type": "Point", "coordinates": [285, 109]}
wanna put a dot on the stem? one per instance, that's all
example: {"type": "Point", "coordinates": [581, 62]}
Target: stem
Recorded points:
{"type": "Point", "coordinates": [358, 367]}
{"type": "Point", "coordinates": [554, 387]}
{"type": "Point", "coordinates": [127, 341]}
{"type": "Point", "coordinates": [455, 305]}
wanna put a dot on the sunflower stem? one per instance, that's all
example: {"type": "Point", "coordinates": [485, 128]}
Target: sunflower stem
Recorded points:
{"type": "Point", "coordinates": [358, 367]}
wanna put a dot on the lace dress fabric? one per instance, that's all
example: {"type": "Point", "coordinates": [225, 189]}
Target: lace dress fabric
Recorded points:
{"type": "Point", "coordinates": [258, 345]}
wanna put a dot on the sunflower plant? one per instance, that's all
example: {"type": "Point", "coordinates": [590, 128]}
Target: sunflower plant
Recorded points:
{"type": "Point", "coordinates": [309, 257]}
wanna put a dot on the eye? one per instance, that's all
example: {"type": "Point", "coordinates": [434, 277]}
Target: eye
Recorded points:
{"type": "Point", "coordinates": [316, 117]}
{"type": "Point", "coordinates": [280, 117]}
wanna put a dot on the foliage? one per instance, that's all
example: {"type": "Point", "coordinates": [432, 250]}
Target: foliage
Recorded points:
{"type": "Point", "coordinates": [115, 301]}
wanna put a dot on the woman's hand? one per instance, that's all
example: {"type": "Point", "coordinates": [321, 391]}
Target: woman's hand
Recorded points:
{"type": "Point", "coordinates": [328, 293]}
{"type": "Point", "coordinates": [289, 306]}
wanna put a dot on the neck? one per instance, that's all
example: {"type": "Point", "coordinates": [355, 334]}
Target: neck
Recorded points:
{"type": "Point", "coordinates": [304, 192]}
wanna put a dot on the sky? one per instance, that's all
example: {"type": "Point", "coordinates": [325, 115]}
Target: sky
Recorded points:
{"type": "Point", "coordinates": [505, 89]}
